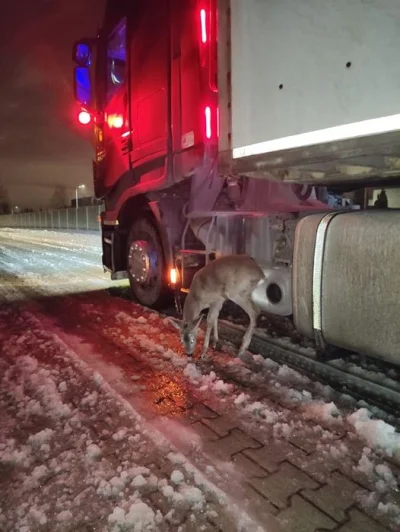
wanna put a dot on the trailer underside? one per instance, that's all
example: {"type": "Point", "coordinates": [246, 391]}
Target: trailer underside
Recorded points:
{"type": "Point", "coordinates": [363, 161]}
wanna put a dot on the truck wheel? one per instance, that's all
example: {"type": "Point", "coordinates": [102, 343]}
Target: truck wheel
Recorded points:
{"type": "Point", "coordinates": [146, 265]}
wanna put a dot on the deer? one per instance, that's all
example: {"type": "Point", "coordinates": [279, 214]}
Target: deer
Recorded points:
{"type": "Point", "coordinates": [233, 278]}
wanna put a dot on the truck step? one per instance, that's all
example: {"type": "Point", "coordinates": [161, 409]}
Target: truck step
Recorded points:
{"type": "Point", "coordinates": [194, 252]}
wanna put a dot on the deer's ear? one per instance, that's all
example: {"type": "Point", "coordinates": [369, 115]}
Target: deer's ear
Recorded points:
{"type": "Point", "coordinates": [199, 321]}
{"type": "Point", "coordinates": [176, 323]}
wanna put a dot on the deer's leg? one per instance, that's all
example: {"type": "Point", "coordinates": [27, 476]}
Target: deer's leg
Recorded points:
{"type": "Point", "coordinates": [208, 333]}
{"type": "Point", "coordinates": [249, 307]}
{"type": "Point", "coordinates": [219, 305]}
{"type": "Point", "coordinates": [212, 318]}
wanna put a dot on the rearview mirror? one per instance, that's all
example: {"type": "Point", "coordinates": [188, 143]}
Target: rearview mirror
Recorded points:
{"type": "Point", "coordinates": [83, 86]}
{"type": "Point", "coordinates": [82, 53]}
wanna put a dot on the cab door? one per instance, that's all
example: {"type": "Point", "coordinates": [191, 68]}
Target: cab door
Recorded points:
{"type": "Point", "coordinates": [150, 58]}
{"type": "Point", "coordinates": [112, 129]}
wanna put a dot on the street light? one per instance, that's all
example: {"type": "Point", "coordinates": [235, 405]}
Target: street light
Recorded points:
{"type": "Point", "coordinates": [76, 194]}
{"type": "Point", "coordinates": [76, 206]}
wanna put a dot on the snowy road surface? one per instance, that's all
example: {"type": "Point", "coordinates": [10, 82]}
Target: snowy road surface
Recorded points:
{"type": "Point", "coordinates": [106, 426]}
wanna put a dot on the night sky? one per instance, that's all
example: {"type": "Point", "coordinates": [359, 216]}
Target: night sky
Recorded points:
{"type": "Point", "coordinates": [41, 142]}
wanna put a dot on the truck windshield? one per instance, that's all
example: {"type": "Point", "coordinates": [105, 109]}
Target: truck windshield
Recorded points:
{"type": "Point", "coordinates": [116, 59]}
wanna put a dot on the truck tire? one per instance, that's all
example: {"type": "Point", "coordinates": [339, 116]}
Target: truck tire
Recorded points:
{"type": "Point", "coordinates": [146, 265]}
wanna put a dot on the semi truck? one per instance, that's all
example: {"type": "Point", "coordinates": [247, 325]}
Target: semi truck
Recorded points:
{"type": "Point", "coordinates": [218, 127]}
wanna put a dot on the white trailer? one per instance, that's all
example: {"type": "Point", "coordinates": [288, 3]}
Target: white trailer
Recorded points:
{"type": "Point", "coordinates": [310, 89]}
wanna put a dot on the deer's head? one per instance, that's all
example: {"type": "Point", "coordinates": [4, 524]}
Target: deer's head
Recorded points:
{"type": "Point", "coordinates": [188, 331]}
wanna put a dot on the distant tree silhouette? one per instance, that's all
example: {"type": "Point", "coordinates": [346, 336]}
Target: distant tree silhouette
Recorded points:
{"type": "Point", "coordinates": [59, 198]}
{"type": "Point", "coordinates": [5, 207]}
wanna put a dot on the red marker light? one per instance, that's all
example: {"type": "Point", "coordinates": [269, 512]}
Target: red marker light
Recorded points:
{"type": "Point", "coordinates": [203, 21]}
{"type": "Point", "coordinates": [84, 117]}
{"type": "Point", "coordinates": [211, 122]}
{"type": "Point", "coordinates": [207, 112]}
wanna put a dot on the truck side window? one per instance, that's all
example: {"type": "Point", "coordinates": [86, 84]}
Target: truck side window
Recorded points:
{"type": "Point", "coordinates": [116, 59]}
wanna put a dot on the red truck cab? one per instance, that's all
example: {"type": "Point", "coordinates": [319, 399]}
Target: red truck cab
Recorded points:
{"type": "Point", "coordinates": [153, 96]}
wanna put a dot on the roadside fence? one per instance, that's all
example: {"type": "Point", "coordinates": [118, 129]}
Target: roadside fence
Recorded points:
{"type": "Point", "coordinates": [72, 219]}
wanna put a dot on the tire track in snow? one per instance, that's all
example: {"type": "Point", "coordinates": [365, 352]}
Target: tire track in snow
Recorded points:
{"type": "Point", "coordinates": [334, 443]}
{"type": "Point", "coordinates": [69, 391]}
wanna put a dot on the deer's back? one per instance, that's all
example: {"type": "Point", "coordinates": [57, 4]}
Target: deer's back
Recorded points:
{"type": "Point", "coordinates": [227, 277]}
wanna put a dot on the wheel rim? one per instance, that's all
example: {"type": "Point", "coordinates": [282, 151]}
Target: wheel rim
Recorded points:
{"type": "Point", "coordinates": [143, 262]}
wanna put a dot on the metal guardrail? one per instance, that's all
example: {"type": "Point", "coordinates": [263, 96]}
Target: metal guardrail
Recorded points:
{"type": "Point", "coordinates": [80, 219]}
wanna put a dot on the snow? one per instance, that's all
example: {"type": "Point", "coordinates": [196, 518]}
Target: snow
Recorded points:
{"type": "Point", "coordinates": [192, 372]}
{"type": "Point", "coordinates": [193, 495]}
{"type": "Point", "coordinates": [38, 516]}
{"type": "Point", "coordinates": [385, 472]}
{"type": "Point", "coordinates": [241, 398]}
{"type": "Point", "coordinates": [338, 453]}
{"type": "Point", "coordinates": [177, 477]}
{"type": "Point", "coordinates": [100, 470]}
{"type": "Point", "coordinates": [139, 481]}
{"type": "Point", "coordinates": [93, 451]}
{"type": "Point", "coordinates": [282, 430]}
{"type": "Point", "coordinates": [40, 472]}
{"type": "Point", "coordinates": [168, 491]}
{"type": "Point", "coordinates": [390, 508]}
{"type": "Point", "coordinates": [379, 473]}
{"type": "Point", "coordinates": [63, 387]}
{"type": "Point", "coordinates": [176, 458]}
{"type": "Point", "coordinates": [366, 465]}
{"type": "Point", "coordinates": [76, 404]}
{"type": "Point", "coordinates": [140, 517]}
{"type": "Point", "coordinates": [269, 415]}
{"type": "Point", "coordinates": [376, 432]}
{"type": "Point", "coordinates": [64, 516]}
{"type": "Point", "coordinates": [41, 437]}
{"type": "Point", "coordinates": [9, 454]}
{"type": "Point", "coordinates": [221, 386]}
{"type": "Point", "coordinates": [120, 435]}
{"type": "Point", "coordinates": [90, 399]}
{"type": "Point", "coordinates": [322, 411]}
